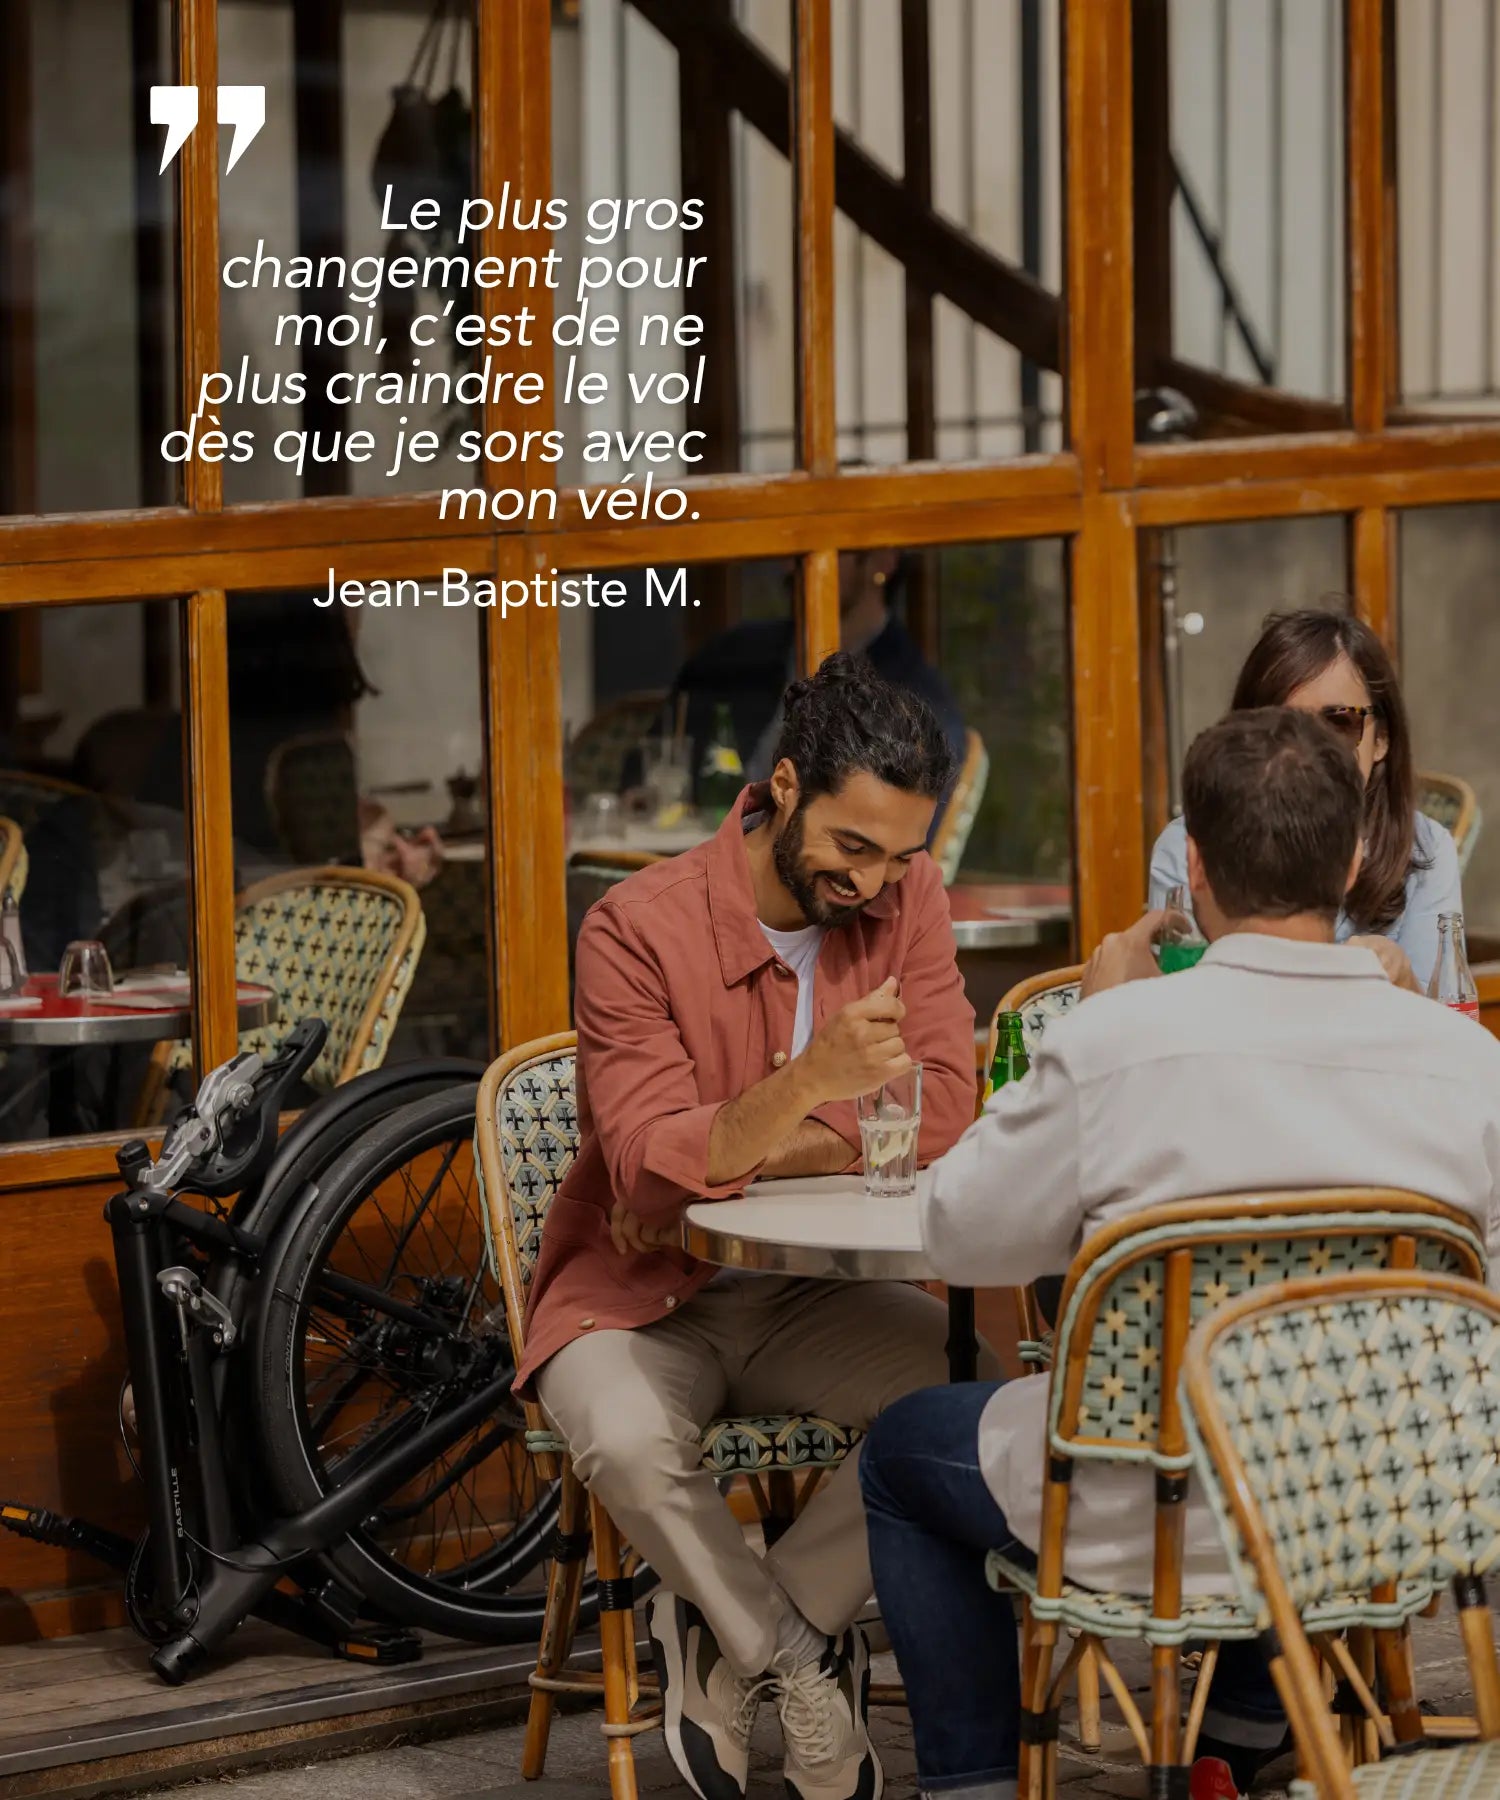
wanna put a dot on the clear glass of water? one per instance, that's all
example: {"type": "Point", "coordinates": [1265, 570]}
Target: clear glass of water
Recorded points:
{"type": "Point", "coordinates": [85, 970]}
{"type": "Point", "coordinates": [889, 1121]}
{"type": "Point", "coordinates": [666, 773]}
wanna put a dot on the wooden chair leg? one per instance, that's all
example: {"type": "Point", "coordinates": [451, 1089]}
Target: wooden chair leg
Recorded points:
{"type": "Point", "coordinates": [1393, 1659]}
{"type": "Point", "coordinates": [1088, 1699]}
{"type": "Point", "coordinates": [1166, 1713]}
{"type": "Point", "coordinates": [1037, 1643]}
{"type": "Point", "coordinates": [615, 1620]}
{"type": "Point", "coordinates": [781, 1511]}
{"type": "Point", "coordinates": [560, 1620]}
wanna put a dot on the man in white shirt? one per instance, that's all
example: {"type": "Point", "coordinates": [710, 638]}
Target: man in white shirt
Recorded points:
{"type": "Point", "coordinates": [1281, 1061]}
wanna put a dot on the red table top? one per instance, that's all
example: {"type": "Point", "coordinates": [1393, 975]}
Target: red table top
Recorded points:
{"type": "Point", "coordinates": [978, 900]}
{"type": "Point", "coordinates": [56, 1006]}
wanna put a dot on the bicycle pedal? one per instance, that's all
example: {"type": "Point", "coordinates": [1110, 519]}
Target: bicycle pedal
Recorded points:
{"type": "Point", "coordinates": [36, 1523]}
{"type": "Point", "coordinates": [43, 1526]}
{"type": "Point", "coordinates": [381, 1647]}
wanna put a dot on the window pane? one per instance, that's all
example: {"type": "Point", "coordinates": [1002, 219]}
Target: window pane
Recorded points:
{"type": "Point", "coordinates": [1206, 591]}
{"type": "Point", "coordinates": [358, 99]}
{"type": "Point", "coordinates": [1450, 661]}
{"type": "Point", "coordinates": [643, 108]}
{"type": "Point", "coordinates": [357, 742]}
{"type": "Point", "coordinates": [986, 183]}
{"type": "Point", "coordinates": [1240, 258]}
{"type": "Point", "coordinates": [88, 309]}
{"type": "Point", "coordinates": [91, 775]}
{"type": "Point", "coordinates": [1447, 74]}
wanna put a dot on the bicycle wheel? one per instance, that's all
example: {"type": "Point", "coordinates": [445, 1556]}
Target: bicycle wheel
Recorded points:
{"type": "Point", "coordinates": [382, 1312]}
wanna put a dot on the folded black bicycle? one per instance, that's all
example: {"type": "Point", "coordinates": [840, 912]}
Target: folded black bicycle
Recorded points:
{"type": "Point", "coordinates": [318, 1399]}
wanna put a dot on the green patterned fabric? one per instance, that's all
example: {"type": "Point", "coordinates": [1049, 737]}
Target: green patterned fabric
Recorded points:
{"type": "Point", "coordinates": [1216, 1616]}
{"type": "Point", "coordinates": [313, 798]}
{"type": "Point", "coordinates": [536, 1128]}
{"type": "Point", "coordinates": [594, 762]}
{"type": "Point", "coordinates": [1369, 1431]}
{"type": "Point", "coordinates": [1039, 1012]}
{"type": "Point", "coordinates": [322, 946]}
{"type": "Point", "coordinates": [1458, 1772]}
{"type": "Point", "coordinates": [1444, 804]}
{"type": "Point", "coordinates": [1121, 1399]}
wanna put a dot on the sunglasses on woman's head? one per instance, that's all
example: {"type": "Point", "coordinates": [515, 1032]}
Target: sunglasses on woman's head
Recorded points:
{"type": "Point", "coordinates": [1348, 721]}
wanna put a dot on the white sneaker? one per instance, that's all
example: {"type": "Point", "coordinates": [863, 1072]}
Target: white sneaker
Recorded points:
{"type": "Point", "coordinates": [825, 1710]}
{"type": "Point", "coordinates": [708, 1711]}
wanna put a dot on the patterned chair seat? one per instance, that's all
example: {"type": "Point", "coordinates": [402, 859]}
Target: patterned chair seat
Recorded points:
{"type": "Point", "coordinates": [1217, 1616]}
{"type": "Point", "coordinates": [535, 1140]}
{"type": "Point", "coordinates": [753, 1446]}
{"type": "Point", "coordinates": [1454, 1772]}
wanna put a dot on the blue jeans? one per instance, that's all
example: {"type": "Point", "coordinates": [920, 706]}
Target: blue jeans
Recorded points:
{"type": "Point", "coordinates": [931, 1520]}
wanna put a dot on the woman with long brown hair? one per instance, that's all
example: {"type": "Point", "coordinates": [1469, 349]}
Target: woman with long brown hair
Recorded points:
{"type": "Point", "coordinates": [1332, 664]}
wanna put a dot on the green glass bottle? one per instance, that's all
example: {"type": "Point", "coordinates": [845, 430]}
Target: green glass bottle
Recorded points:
{"type": "Point", "coordinates": [1011, 1061]}
{"type": "Point", "coordinates": [723, 774]}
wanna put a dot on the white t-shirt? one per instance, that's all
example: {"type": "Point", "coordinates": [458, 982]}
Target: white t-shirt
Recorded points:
{"type": "Point", "coordinates": [799, 951]}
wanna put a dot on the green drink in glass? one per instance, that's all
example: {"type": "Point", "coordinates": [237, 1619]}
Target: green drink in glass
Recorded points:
{"type": "Point", "coordinates": [1179, 944]}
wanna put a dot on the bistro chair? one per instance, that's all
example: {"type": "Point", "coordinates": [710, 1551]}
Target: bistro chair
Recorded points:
{"type": "Point", "coordinates": [12, 860]}
{"type": "Point", "coordinates": [526, 1137]}
{"type": "Point", "coordinates": [1347, 1432]}
{"type": "Point", "coordinates": [594, 761]}
{"type": "Point", "coordinates": [313, 797]}
{"type": "Point", "coordinates": [340, 944]}
{"type": "Point", "coordinates": [1450, 801]}
{"type": "Point", "coordinates": [1131, 1296]}
{"type": "Point", "coordinates": [24, 797]}
{"type": "Point", "coordinates": [952, 836]}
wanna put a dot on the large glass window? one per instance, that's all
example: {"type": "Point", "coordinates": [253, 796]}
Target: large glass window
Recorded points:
{"type": "Point", "coordinates": [88, 334]}
{"type": "Point", "coordinates": [1450, 661]}
{"type": "Point", "coordinates": [949, 229]}
{"type": "Point", "coordinates": [358, 757]}
{"type": "Point", "coordinates": [1446, 77]}
{"type": "Point", "coordinates": [1205, 593]}
{"type": "Point", "coordinates": [1240, 242]}
{"type": "Point", "coordinates": [93, 848]}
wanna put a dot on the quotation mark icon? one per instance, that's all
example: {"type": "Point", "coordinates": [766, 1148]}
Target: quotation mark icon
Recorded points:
{"type": "Point", "coordinates": [177, 108]}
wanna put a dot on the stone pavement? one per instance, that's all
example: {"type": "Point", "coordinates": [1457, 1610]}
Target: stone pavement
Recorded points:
{"type": "Point", "coordinates": [485, 1765]}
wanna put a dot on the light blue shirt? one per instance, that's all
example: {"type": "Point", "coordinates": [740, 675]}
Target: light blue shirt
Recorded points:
{"type": "Point", "coordinates": [1429, 891]}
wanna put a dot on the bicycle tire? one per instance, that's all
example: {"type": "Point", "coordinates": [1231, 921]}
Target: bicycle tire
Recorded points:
{"type": "Point", "coordinates": [479, 1598]}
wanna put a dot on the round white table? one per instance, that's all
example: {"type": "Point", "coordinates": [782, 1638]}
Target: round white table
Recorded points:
{"type": "Point", "coordinates": [827, 1228]}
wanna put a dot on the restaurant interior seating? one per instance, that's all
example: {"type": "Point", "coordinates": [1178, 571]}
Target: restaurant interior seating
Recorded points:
{"type": "Point", "coordinates": [12, 860]}
{"type": "Point", "coordinates": [952, 836]}
{"type": "Point", "coordinates": [596, 756]}
{"type": "Point", "coordinates": [313, 797]}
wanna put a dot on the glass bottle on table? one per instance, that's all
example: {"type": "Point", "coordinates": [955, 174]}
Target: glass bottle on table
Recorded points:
{"type": "Point", "coordinates": [1452, 980]}
{"type": "Point", "coordinates": [1010, 1060]}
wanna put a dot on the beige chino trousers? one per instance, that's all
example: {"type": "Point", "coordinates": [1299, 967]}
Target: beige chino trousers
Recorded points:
{"type": "Point", "coordinates": [632, 1404]}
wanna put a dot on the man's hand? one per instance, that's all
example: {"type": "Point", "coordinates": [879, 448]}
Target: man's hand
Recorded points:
{"type": "Point", "coordinates": [859, 1048]}
{"type": "Point", "coordinates": [1391, 957]}
{"type": "Point", "coordinates": [630, 1232]}
{"type": "Point", "coordinates": [1123, 956]}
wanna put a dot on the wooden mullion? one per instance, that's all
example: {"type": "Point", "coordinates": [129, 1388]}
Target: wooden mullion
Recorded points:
{"type": "Point", "coordinates": [205, 628]}
{"type": "Point", "coordinates": [1109, 820]}
{"type": "Point", "coordinates": [922, 597]}
{"type": "Point", "coordinates": [1371, 216]}
{"type": "Point", "coordinates": [1372, 565]}
{"type": "Point", "coordinates": [522, 666]}
{"type": "Point", "coordinates": [817, 429]}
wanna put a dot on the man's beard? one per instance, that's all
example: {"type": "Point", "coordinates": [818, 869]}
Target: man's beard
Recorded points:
{"type": "Point", "coordinates": [801, 882]}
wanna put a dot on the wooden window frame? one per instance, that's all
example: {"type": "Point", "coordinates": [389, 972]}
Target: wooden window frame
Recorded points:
{"type": "Point", "coordinates": [1098, 495]}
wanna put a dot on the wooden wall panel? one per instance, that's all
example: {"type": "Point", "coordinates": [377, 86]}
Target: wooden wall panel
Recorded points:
{"type": "Point", "coordinates": [59, 1443]}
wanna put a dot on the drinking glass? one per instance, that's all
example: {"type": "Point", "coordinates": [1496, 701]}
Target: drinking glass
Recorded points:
{"type": "Point", "coordinates": [601, 816]}
{"type": "Point", "coordinates": [85, 969]}
{"type": "Point", "coordinates": [12, 974]}
{"type": "Point", "coordinates": [890, 1119]}
{"type": "Point", "coordinates": [1179, 943]}
{"type": "Point", "coordinates": [666, 772]}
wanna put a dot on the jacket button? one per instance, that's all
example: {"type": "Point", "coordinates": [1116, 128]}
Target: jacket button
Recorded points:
{"type": "Point", "coordinates": [778, 1059]}
{"type": "Point", "coordinates": [670, 1302]}
{"type": "Point", "coordinates": [585, 1324]}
